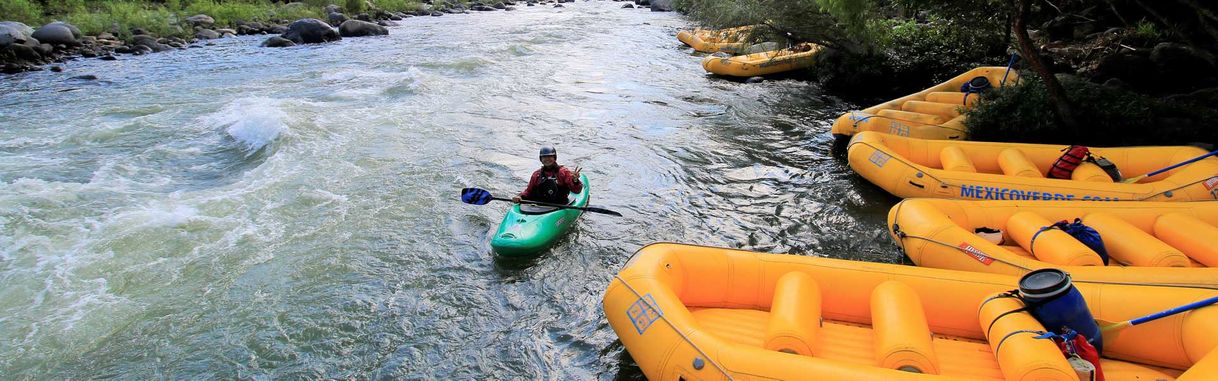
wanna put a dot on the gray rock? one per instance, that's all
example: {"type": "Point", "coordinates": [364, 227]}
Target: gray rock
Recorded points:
{"type": "Point", "coordinates": [226, 31]}
{"type": "Point", "coordinates": [207, 34]}
{"type": "Point", "coordinates": [86, 77]}
{"type": "Point", "coordinates": [336, 18]}
{"type": "Point", "coordinates": [357, 28]}
{"type": "Point", "coordinates": [201, 20]}
{"type": "Point", "coordinates": [384, 23]}
{"type": "Point", "coordinates": [105, 36]}
{"type": "Point", "coordinates": [57, 69]}
{"type": "Point", "coordinates": [57, 33]}
{"type": "Point", "coordinates": [661, 5]}
{"type": "Point", "coordinates": [147, 42]}
{"type": "Point", "coordinates": [278, 42]}
{"type": "Point", "coordinates": [25, 52]}
{"type": "Point", "coordinates": [1182, 58]}
{"type": "Point", "coordinates": [755, 80]}
{"type": "Point", "coordinates": [311, 31]}
{"type": "Point", "coordinates": [628, 5]}
{"type": "Point", "coordinates": [333, 9]}
{"type": "Point", "coordinates": [138, 31]}
{"type": "Point", "coordinates": [436, 13]}
{"type": "Point", "coordinates": [10, 35]}
{"type": "Point", "coordinates": [20, 27]}
{"type": "Point", "coordinates": [108, 57]}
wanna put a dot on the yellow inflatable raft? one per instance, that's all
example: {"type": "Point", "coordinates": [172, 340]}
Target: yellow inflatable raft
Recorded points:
{"type": "Point", "coordinates": [934, 113]}
{"type": "Point", "coordinates": [701, 313]}
{"type": "Point", "coordinates": [908, 167]}
{"type": "Point", "coordinates": [764, 63]}
{"type": "Point", "coordinates": [1160, 243]}
{"type": "Point", "coordinates": [730, 40]}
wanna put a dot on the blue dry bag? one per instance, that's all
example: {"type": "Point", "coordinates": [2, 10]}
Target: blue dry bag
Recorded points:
{"type": "Point", "coordinates": [1086, 235]}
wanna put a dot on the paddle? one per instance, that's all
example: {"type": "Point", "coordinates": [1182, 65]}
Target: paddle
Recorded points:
{"type": "Point", "coordinates": [1109, 329]}
{"type": "Point", "coordinates": [1186, 162]}
{"type": "Point", "coordinates": [476, 196]}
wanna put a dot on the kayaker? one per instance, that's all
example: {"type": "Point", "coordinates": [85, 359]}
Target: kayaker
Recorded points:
{"type": "Point", "coordinates": [552, 183]}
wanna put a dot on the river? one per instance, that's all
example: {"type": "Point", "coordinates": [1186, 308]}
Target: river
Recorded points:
{"type": "Point", "coordinates": [243, 212]}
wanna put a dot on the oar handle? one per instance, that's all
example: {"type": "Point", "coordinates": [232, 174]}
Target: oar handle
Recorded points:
{"type": "Point", "coordinates": [584, 208]}
{"type": "Point", "coordinates": [1173, 311]}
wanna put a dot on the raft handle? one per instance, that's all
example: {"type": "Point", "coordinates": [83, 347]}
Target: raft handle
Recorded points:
{"type": "Point", "coordinates": [917, 185]}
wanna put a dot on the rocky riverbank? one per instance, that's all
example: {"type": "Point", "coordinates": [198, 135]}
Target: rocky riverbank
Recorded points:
{"type": "Point", "coordinates": [24, 48]}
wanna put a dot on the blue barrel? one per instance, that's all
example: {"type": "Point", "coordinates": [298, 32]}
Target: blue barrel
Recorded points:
{"type": "Point", "coordinates": [1056, 303]}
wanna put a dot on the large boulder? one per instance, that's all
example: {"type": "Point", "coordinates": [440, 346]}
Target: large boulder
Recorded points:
{"type": "Point", "coordinates": [201, 20]}
{"type": "Point", "coordinates": [10, 36]}
{"type": "Point", "coordinates": [58, 33]}
{"type": "Point", "coordinates": [1183, 68]}
{"type": "Point", "coordinates": [1132, 67]}
{"type": "Point", "coordinates": [311, 31]}
{"type": "Point", "coordinates": [661, 5]}
{"type": "Point", "coordinates": [357, 28]}
{"type": "Point", "coordinates": [20, 27]}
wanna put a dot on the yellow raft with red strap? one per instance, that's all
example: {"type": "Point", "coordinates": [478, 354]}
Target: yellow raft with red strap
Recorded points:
{"type": "Point", "coordinates": [701, 313]}
{"type": "Point", "coordinates": [730, 40]}
{"type": "Point", "coordinates": [908, 167]}
{"type": "Point", "coordinates": [1158, 243]}
{"type": "Point", "coordinates": [934, 113]}
{"type": "Point", "coordinates": [765, 63]}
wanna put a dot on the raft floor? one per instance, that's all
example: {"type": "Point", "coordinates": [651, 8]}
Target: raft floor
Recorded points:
{"type": "Point", "coordinates": [852, 343]}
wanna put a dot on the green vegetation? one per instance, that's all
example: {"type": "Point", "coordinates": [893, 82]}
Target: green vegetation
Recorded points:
{"type": "Point", "coordinates": [167, 17]}
{"type": "Point", "coordinates": [1109, 117]}
{"type": "Point", "coordinates": [882, 49]}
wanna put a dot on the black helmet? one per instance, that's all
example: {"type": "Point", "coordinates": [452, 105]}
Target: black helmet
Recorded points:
{"type": "Point", "coordinates": [548, 151]}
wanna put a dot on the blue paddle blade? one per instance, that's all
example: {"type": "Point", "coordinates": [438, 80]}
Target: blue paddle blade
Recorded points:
{"type": "Point", "coordinates": [475, 196]}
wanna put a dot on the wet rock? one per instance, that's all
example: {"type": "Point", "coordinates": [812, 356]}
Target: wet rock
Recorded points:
{"type": "Point", "coordinates": [357, 28]}
{"type": "Point", "coordinates": [149, 42]}
{"type": "Point", "coordinates": [108, 57]}
{"type": "Point", "coordinates": [436, 13]}
{"type": "Point", "coordinates": [201, 20]}
{"type": "Point", "coordinates": [645, 3]}
{"type": "Point", "coordinates": [755, 80]}
{"type": "Point", "coordinates": [499, 6]}
{"type": "Point", "coordinates": [105, 36]}
{"type": "Point", "coordinates": [86, 77]}
{"type": "Point", "coordinates": [311, 31]}
{"type": "Point", "coordinates": [57, 69]}
{"type": "Point", "coordinates": [628, 6]}
{"type": "Point", "coordinates": [557, 5]}
{"type": "Point", "coordinates": [58, 33]}
{"type": "Point", "coordinates": [363, 17]}
{"type": "Point", "coordinates": [278, 42]}
{"type": "Point", "coordinates": [482, 8]}
{"type": "Point", "coordinates": [333, 8]}
{"type": "Point", "coordinates": [278, 29]}
{"type": "Point", "coordinates": [661, 5]}
{"type": "Point", "coordinates": [206, 34]}
{"type": "Point", "coordinates": [386, 23]}
{"type": "Point", "coordinates": [25, 52]}
{"type": "Point", "coordinates": [138, 31]}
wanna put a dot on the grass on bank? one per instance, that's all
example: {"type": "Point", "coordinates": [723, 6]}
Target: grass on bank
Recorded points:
{"type": "Point", "coordinates": [167, 17]}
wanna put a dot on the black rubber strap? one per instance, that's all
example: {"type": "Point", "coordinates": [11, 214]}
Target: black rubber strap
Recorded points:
{"type": "Point", "coordinates": [1004, 338]}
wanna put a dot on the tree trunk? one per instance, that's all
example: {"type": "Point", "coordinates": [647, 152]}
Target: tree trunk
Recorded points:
{"type": "Point", "coordinates": [1057, 93]}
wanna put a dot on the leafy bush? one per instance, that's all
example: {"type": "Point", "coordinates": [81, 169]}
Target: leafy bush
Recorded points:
{"type": "Point", "coordinates": [22, 10]}
{"type": "Point", "coordinates": [1107, 117]}
{"type": "Point", "coordinates": [120, 16]}
{"type": "Point", "coordinates": [354, 6]}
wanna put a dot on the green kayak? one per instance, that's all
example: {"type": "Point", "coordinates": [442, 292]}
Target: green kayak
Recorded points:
{"type": "Point", "coordinates": [528, 229]}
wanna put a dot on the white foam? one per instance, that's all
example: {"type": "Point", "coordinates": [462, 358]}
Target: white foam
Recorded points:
{"type": "Point", "coordinates": [253, 122]}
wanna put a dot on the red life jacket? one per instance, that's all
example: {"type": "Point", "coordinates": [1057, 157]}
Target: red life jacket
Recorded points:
{"type": "Point", "coordinates": [1077, 345]}
{"type": "Point", "coordinates": [1065, 165]}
